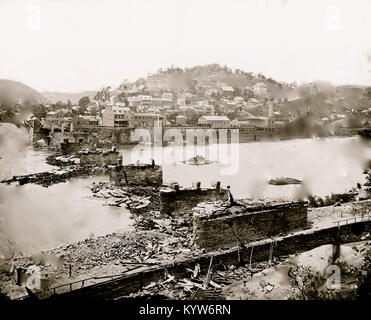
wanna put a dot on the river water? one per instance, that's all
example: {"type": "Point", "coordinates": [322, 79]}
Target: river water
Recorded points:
{"type": "Point", "coordinates": [325, 165]}
{"type": "Point", "coordinates": [35, 218]}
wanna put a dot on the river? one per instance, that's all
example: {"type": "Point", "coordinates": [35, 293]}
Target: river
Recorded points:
{"type": "Point", "coordinates": [36, 218]}
{"type": "Point", "coordinates": [325, 165]}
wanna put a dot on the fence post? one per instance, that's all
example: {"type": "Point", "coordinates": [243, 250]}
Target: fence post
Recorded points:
{"type": "Point", "coordinates": [199, 186]}
{"type": "Point", "coordinates": [126, 178]}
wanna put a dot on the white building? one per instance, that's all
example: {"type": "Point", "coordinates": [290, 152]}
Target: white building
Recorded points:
{"type": "Point", "coordinates": [238, 100]}
{"type": "Point", "coordinates": [181, 102]}
{"type": "Point", "coordinates": [115, 116]}
{"type": "Point", "coordinates": [123, 117]}
{"type": "Point", "coordinates": [214, 121]}
{"type": "Point", "coordinates": [241, 124]}
{"type": "Point", "coordinates": [260, 89]}
{"type": "Point", "coordinates": [227, 89]}
{"type": "Point", "coordinates": [167, 95]}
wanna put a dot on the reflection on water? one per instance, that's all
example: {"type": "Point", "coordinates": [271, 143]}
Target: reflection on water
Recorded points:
{"type": "Point", "coordinates": [331, 165]}
{"type": "Point", "coordinates": [37, 218]}
{"type": "Point", "coordinates": [31, 161]}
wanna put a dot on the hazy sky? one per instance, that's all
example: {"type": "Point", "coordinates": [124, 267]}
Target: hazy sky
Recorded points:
{"type": "Point", "coordinates": [74, 45]}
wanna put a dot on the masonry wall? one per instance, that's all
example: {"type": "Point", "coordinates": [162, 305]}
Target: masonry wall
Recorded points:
{"type": "Point", "coordinates": [124, 136]}
{"type": "Point", "coordinates": [56, 138]}
{"type": "Point", "coordinates": [137, 175]}
{"type": "Point", "coordinates": [221, 232]}
{"type": "Point", "coordinates": [103, 135]}
{"type": "Point", "coordinates": [68, 148]}
{"type": "Point", "coordinates": [307, 240]}
{"type": "Point", "coordinates": [180, 202]}
{"type": "Point", "coordinates": [99, 159]}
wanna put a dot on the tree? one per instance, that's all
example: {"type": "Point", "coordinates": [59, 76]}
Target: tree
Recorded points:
{"type": "Point", "coordinates": [247, 93]}
{"type": "Point", "coordinates": [237, 91]}
{"type": "Point", "coordinates": [39, 111]}
{"type": "Point", "coordinates": [84, 101]}
{"type": "Point", "coordinates": [232, 115]}
{"type": "Point", "coordinates": [58, 105]}
{"type": "Point", "coordinates": [82, 110]}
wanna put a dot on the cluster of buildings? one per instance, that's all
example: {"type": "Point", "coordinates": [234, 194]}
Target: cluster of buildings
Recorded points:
{"type": "Point", "coordinates": [121, 117]}
{"type": "Point", "coordinates": [149, 103]}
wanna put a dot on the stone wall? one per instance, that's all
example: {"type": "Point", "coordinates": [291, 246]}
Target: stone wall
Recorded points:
{"type": "Point", "coordinates": [68, 148]}
{"type": "Point", "coordinates": [222, 232]}
{"type": "Point", "coordinates": [137, 175]}
{"type": "Point", "coordinates": [124, 136]}
{"type": "Point", "coordinates": [304, 241]}
{"type": "Point", "coordinates": [179, 202]}
{"type": "Point", "coordinates": [36, 130]}
{"type": "Point", "coordinates": [56, 138]}
{"type": "Point", "coordinates": [103, 135]}
{"type": "Point", "coordinates": [92, 158]}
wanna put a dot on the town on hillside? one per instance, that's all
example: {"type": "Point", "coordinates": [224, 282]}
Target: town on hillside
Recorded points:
{"type": "Point", "coordinates": [210, 96]}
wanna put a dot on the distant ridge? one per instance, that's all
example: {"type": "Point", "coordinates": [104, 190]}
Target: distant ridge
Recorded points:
{"type": "Point", "coordinates": [12, 92]}
{"type": "Point", "coordinates": [211, 74]}
{"type": "Point", "coordinates": [74, 97]}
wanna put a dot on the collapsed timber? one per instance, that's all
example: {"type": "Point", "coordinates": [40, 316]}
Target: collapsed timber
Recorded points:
{"type": "Point", "coordinates": [163, 257]}
{"type": "Point", "coordinates": [206, 274]}
{"type": "Point", "coordinates": [47, 179]}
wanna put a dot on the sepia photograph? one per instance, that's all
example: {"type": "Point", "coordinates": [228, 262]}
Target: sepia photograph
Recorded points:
{"type": "Point", "coordinates": [185, 158]}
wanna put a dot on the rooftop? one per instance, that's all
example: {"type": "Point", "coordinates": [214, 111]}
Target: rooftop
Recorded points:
{"type": "Point", "coordinates": [215, 118]}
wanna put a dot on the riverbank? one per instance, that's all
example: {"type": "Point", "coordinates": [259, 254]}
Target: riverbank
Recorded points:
{"type": "Point", "coordinates": [61, 175]}
{"type": "Point", "coordinates": [166, 241]}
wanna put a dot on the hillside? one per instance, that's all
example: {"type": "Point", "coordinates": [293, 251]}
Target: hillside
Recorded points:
{"type": "Point", "coordinates": [213, 75]}
{"type": "Point", "coordinates": [318, 97]}
{"type": "Point", "coordinates": [320, 102]}
{"type": "Point", "coordinates": [74, 97]}
{"type": "Point", "coordinates": [13, 92]}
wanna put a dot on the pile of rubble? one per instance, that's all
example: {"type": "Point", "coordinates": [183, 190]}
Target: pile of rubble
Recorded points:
{"type": "Point", "coordinates": [137, 199]}
{"type": "Point", "coordinates": [127, 248]}
{"type": "Point", "coordinates": [201, 284]}
{"type": "Point", "coordinates": [69, 167]}
{"type": "Point", "coordinates": [117, 252]}
{"type": "Point", "coordinates": [211, 208]}
{"type": "Point", "coordinates": [218, 208]}
{"type": "Point", "coordinates": [62, 160]}
{"type": "Point", "coordinates": [49, 178]}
